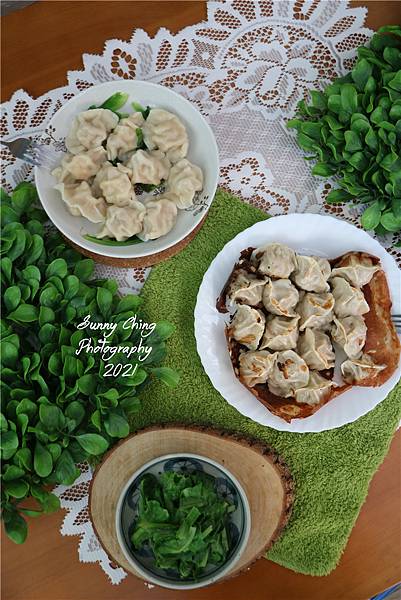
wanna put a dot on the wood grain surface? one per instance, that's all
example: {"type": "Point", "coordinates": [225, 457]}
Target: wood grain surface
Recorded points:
{"type": "Point", "coordinates": [264, 477]}
{"type": "Point", "coordinates": [39, 44]}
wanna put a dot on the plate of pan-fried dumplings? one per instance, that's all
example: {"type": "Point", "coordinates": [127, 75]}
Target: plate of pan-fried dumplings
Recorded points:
{"type": "Point", "coordinates": [137, 172]}
{"type": "Point", "coordinates": [300, 337]}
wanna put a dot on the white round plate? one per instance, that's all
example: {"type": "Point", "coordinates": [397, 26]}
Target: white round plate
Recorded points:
{"type": "Point", "coordinates": [202, 152]}
{"type": "Point", "coordinates": [308, 234]}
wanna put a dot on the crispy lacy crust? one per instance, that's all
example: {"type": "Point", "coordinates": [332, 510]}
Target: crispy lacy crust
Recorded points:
{"type": "Point", "coordinates": [382, 342]}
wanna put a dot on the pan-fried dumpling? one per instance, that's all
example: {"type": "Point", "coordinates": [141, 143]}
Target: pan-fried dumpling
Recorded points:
{"type": "Point", "coordinates": [124, 137]}
{"type": "Point", "coordinates": [275, 260]}
{"type": "Point", "coordinates": [246, 288]}
{"type": "Point", "coordinates": [255, 367]}
{"type": "Point", "coordinates": [312, 273]}
{"type": "Point", "coordinates": [123, 222]}
{"type": "Point", "coordinates": [358, 271]}
{"type": "Point", "coordinates": [148, 167]}
{"type": "Point", "coordinates": [355, 371]}
{"type": "Point", "coordinates": [289, 373]}
{"type": "Point", "coordinates": [164, 130]}
{"type": "Point", "coordinates": [315, 348]}
{"type": "Point", "coordinates": [247, 326]}
{"type": "Point", "coordinates": [280, 297]}
{"type": "Point", "coordinates": [350, 334]}
{"type": "Point", "coordinates": [348, 299]}
{"type": "Point", "coordinates": [160, 218]}
{"type": "Point", "coordinates": [89, 129]}
{"type": "Point", "coordinates": [183, 181]}
{"type": "Point", "coordinates": [281, 333]}
{"type": "Point", "coordinates": [114, 184]}
{"type": "Point", "coordinates": [80, 166]}
{"type": "Point", "coordinates": [81, 202]}
{"type": "Point", "coordinates": [318, 387]}
{"type": "Point", "coordinates": [316, 310]}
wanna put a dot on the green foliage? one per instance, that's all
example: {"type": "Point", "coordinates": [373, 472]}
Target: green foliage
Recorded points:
{"type": "Point", "coordinates": [57, 407]}
{"type": "Point", "coordinates": [353, 130]}
{"type": "Point", "coordinates": [183, 521]}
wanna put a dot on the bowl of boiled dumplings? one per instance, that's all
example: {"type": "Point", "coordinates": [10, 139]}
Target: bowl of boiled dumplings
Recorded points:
{"type": "Point", "coordinates": [136, 170]}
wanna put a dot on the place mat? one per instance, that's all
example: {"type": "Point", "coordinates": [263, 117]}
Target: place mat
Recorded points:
{"type": "Point", "coordinates": [331, 470]}
{"type": "Point", "coordinates": [263, 475]}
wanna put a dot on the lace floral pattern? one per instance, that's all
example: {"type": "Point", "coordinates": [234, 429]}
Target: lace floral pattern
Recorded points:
{"type": "Point", "coordinates": [245, 68]}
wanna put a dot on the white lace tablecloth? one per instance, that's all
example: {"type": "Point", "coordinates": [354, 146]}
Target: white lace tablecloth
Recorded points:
{"type": "Point", "coordinates": [245, 68]}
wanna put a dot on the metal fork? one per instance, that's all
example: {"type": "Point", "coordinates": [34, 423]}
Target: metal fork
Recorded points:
{"type": "Point", "coordinates": [397, 322]}
{"type": "Point", "coordinates": [34, 153]}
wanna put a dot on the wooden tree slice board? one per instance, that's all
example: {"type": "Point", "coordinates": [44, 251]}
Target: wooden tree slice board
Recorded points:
{"type": "Point", "coordinates": [140, 261]}
{"type": "Point", "coordinates": [264, 476]}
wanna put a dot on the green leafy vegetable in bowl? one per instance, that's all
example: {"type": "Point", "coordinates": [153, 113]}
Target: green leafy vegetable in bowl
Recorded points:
{"type": "Point", "coordinates": [353, 129]}
{"type": "Point", "coordinates": [111, 242]}
{"type": "Point", "coordinates": [183, 521]}
{"type": "Point", "coordinates": [59, 408]}
{"type": "Point", "coordinates": [114, 103]}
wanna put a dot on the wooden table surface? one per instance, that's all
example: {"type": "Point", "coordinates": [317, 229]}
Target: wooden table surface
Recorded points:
{"type": "Point", "coordinates": [39, 44]}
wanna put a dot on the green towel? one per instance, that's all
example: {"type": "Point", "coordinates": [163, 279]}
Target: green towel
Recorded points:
{"type": "Point", "coordinates": [332, 470]}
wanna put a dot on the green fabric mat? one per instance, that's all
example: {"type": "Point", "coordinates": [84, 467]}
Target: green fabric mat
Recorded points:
{"type": "Point", "coordinates": [332, 470]}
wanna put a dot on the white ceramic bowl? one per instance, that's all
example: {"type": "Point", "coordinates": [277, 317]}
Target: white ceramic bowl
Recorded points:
{"type": "Point", "coordinates": [126, 511]}
{"type": "Point", "coordinates": [202, 151]}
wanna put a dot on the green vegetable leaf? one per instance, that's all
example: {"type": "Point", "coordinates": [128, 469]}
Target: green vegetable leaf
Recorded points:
{"type": "Point", "coordinates": [115, 102]}
{"type": "Point", "coordinates": [371, 216]}
{"type": "Point", "coordinates": [323, 169]}
{"type": "Point", "coordinates": [12, 297]}
{"type": "Point", "coordinates": [16, 528]}
{"type": "Point", "coordinates": [24, 313]}
{"type": "Point", "coordinates": [116, 425]}
{"type": "Point", "coordinates": [16, 489]}
{"type": "Point", "coordinates": [92, 443]}
{"type": "Point", "coordinates": [66, 472]}
{"type": "Point", "coordinates": [167, 375]}
{"type": "Point", "coordinates": [42, 460]}
{"type": "Point", "coordinates": [84, 269]}
{"type": "Point", "coordinates": [361, 73]}
{"type": "Point", "coordinates": [104, 300]}
{"type": "Point", "coordinates": [12, 472]}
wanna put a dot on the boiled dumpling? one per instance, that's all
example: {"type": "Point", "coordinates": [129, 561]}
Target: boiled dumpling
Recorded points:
{"type": "Point", "coordinates": [350, 334]}
{"type": "Point", "coordinates": [315, 348]}
{"type": "Point", "coordinates": [311, 273]}
{"type": "Point", "coordinates": [317, 389]}
{"type": "Point", "coordinates": [348, 300]}
{"type": "Point", "coordinates": [355, 371]}
{"type": "Point", "coordinates": [246, 288]}
{"type": "Point", "coordinates": [289, 373]}
{"type": "Point", "coordinates": [124, 137]}
{"type": "Point", "coordinates": [80, 166]}
{"type": "Point", "coordinates": [160, 218]}
{"type": "Point", "coordinates": [81, 202]}
{"type": "Point", "coordinates": [164, 130]}
{"type": "Point", "coordinates": [183, 181]}
{"type": "Point", "coordinates": [247, 326]}
{"type": "Point", "coordinates": [358, 271]}
{"type": "Point", "coordinates": [280, 297]}
{"type": "Point", "coordinates": [275, 260]}
{"type": "Point", "coordinates": [123, 222]}
{"type": "Point", "coordinates": [255, 367]}
{"type": "Point", "coordinates": [281, 333]}
{"type": "Point", "coordinates": [148, 167]}
{"type": "Point", "coordinates": [89, 129]}
{"type": "Point", "coordinates": [114, 184]}
{"type": "Point", "coordinates": [315, 310]}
